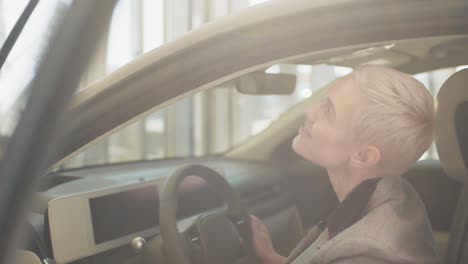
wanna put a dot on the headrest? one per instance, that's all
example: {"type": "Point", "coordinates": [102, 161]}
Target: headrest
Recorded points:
{"type": "Point", "coordinates": [451, 127]}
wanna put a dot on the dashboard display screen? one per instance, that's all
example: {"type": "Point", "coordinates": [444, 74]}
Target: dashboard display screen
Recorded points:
{"type": "Point", "coordinates": [120, 214]}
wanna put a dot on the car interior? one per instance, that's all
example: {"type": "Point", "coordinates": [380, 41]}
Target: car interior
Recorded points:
{"type": "Point", "coordinates": [112, 213]}
{"type": "Point", "coordinates": [451, 131]}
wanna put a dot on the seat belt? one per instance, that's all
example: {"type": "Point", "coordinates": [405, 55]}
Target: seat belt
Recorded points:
{"type": "Point", "coordinates": [308, 240]}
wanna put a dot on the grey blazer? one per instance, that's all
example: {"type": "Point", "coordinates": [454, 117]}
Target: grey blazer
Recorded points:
{"type": "Point", "coordinates": [394, 229]}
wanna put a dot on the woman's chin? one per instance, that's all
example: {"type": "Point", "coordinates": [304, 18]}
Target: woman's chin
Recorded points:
{"type": "Point", "coordinates": [298, 146]}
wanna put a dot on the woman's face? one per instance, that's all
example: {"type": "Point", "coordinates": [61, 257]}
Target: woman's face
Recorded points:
{"type": "Point", "coordinates": [326, 136]}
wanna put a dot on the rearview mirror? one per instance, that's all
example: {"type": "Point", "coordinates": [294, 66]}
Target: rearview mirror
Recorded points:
{"type": "Point", "coordinates": [262, 83]}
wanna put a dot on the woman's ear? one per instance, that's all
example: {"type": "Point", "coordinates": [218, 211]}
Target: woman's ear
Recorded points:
{"type": "Point", "coordinates": [366, 157]}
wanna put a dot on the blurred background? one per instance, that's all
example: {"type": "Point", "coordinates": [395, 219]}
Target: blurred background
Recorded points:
{"type": "Point", "coordinates": [207, 123]}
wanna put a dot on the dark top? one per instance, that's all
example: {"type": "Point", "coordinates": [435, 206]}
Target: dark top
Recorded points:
{"type": "Point", "coordinates": [351, 209]}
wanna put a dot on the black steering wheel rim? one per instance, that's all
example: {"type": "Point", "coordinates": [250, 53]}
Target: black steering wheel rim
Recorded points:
{"type": "Point", "coordinates": [173, 242]}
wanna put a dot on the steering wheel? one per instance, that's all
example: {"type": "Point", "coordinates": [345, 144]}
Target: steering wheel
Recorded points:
{"type": "Point", "coordinates": [213, 238]}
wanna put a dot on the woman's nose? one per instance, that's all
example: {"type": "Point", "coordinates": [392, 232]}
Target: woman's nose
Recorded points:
{"type": "Point", "coordinates": [310, 113]}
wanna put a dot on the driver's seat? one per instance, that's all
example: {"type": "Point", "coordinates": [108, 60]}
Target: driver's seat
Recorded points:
{"type": "Point", "coordinates": [452, 146]}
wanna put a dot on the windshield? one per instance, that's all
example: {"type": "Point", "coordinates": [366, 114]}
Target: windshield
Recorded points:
{"type": "Point", "coordinates": [214, 121]}
{"type": "Point", "coordinates": [206, 123]}
{"type": "Point", "coordinates": [19, 68]}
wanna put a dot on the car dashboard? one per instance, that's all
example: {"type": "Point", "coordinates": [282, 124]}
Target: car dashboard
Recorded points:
{"type": "Point", "coordinates": [93, 215]}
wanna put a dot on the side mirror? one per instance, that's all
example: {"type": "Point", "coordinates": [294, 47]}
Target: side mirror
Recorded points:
{"type": "Point", "coordinates": [261, 83]}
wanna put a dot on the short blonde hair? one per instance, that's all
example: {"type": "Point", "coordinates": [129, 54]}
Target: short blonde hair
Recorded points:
{"type": "Point", "coordinates": [397, 116]}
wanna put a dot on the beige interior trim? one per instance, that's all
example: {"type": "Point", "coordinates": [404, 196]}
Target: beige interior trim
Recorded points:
{"type": "Point", "coordinates": [451, 95]}
{"type": "Point", "coordinates": [26, 257]}
{"type": "Point", "coordinates": [71, 226]}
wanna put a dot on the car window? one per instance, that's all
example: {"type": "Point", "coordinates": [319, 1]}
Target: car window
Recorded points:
{"type": "Point", "coordinates": [213, 121]}
{"type": "Point", "coordinates": [206, 123]}
{"type": "Point", "coordinates": [19, 68]}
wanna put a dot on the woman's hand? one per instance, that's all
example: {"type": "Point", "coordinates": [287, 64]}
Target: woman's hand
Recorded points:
{"type": "Point", "coordinates": [262, 244]}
